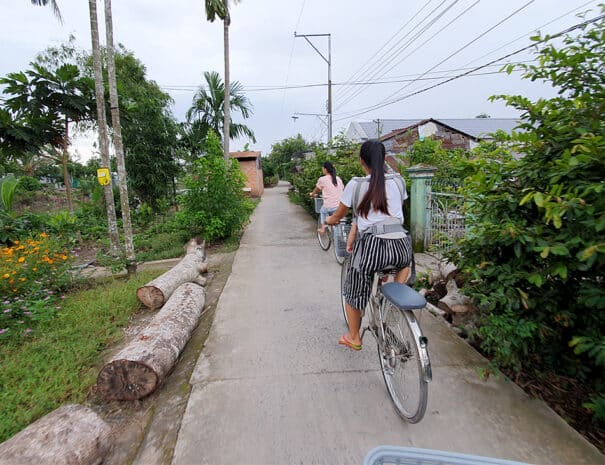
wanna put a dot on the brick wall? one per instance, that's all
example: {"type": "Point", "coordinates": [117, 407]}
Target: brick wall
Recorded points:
{"type": "Point", "coordinates": [254, 176]}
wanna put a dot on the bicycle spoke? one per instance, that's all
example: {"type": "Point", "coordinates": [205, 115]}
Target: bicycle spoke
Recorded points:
{"type": "Point", "coordinates": [401, 367]}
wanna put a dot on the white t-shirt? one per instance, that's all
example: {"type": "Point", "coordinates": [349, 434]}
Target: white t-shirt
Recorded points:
{"type": "Point", "coordinates": [394, 202]}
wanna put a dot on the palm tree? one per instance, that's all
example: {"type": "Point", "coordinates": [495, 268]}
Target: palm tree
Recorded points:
{"type": "Point", "coordinates": [117, 139]}
{"type": "Point", "coordinates": [220, 9]}
{"type": "Point", "coordinates": [114, 238]}
{"type": "Point", "coordinates": [207, 111]}
{"type": "Point", "coordinates": [53, 5]}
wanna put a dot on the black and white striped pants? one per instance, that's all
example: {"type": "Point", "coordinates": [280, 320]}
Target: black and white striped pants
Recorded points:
{"type": "Point", "coordinates": [373, 254]}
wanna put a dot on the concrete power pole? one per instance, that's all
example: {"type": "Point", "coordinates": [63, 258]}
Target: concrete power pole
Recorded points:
{"type": "Point", "coordinates": [328, 60]}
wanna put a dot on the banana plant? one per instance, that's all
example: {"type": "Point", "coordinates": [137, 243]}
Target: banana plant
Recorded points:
{"type": "Point", "coordinates": [8, 185]}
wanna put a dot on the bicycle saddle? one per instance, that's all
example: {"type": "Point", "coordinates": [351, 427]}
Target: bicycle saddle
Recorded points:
{"type": "Point", "coordinates": [403, 296]}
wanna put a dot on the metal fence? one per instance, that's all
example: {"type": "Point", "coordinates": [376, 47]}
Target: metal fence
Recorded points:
{"type": "Point", "coordinates": [446, 221]}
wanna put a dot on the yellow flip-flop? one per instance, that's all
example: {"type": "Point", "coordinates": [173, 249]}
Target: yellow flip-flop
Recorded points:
{"type": "Point", "coordinates": [344, 341]}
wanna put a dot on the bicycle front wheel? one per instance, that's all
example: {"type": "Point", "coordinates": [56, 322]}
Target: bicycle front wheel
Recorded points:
{"type": "Point", "coordinates": [343, 277]}
{"type": "Point", "coordinates": [404, 372]}
{"type": "Point", "coordinates": [324, 239]}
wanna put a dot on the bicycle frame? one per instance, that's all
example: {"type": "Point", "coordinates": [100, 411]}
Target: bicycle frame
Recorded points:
{"type": "Point", "coordinates": [376, 310]}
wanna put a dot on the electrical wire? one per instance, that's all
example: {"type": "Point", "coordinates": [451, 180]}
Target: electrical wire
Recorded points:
{"type": "Point", "coordinates": [546, 39]}
{"type": "Point", "coordinates": [416, 49]}
{"type": "Point", "coordinates": [362, 69]}
{"type": "Point", "coordinates": [517, 11]}
{"type": "Point", "coordinates": [283, 102]}
{"type": "Point", "coordinates": [386, 57]}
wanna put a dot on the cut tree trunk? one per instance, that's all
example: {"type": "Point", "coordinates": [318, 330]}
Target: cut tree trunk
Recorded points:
{"type": "Point", "coordinates": [138, 369]}
{"type": "Point", "coordinates": [155, 293]}
{"type": "Point", "coordinates": [71, 435]}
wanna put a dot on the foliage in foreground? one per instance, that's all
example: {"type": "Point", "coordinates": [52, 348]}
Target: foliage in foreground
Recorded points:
{"type": "Point", "coordinates": [535, 250]}
{"type": "Point", "coordinates": [215, 205]}
{"type": "Point", "coordinates": [58, 362]}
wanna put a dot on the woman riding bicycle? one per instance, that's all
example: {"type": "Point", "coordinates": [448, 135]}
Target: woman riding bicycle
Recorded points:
{"type": "Point", "coordinates": [382, 242]}
{"type": "Point", "coordinates": [331, 187]}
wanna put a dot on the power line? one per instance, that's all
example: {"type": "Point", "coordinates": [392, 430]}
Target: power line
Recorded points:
{"type": "Point", "coordinates": [517, 11]}
{"type": "Point", "coordinates": [367, 62]}
{"type": "Point", "coordinates": [419, 47]}
{"type": "Point", "coordinates": [546, 39]}
{"type": "Point", "coordinates": [387, 56]}
{"type": "Point", "coordinates": [302, 7]}
{"type": "Point", "coordinates": [523, 36]}
{"type": "Point", "coordinates": [393, 80]}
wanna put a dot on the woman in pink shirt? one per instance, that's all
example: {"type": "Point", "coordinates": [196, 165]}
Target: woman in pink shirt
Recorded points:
{"type": "Point", "coordinates": [331, 188]}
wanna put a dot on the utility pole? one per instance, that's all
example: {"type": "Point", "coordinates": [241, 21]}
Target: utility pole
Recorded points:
{"type": "Point", "coordinates": [329, 62]}
{"type": "Point", "coordinates": [321, 117]}
{"type": "Point", "coordinates": [378, 128]}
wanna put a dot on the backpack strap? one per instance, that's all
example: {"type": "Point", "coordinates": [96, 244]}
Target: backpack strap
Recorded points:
{"type": "Point", "coordinates": [399, 182]}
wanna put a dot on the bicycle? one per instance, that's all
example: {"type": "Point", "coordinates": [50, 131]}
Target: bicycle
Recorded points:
{"type": "Point", "coordinates": [333, 234]}
{"type": "Point", "coordinates": [402, 347]}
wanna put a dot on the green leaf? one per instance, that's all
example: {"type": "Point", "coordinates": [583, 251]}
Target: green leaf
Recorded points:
{"type": "Point", "coordinates": [539, 199]}
{"type": "Point", "coordinates": [535, 279]}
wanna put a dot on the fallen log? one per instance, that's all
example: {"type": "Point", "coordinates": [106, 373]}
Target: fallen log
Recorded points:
{"type": "Point", "coordinates": [71, 435]}
{"type": "Point", "coordinates": [155, 293]}
{"type": "Point", "coordinates": [138, 369]}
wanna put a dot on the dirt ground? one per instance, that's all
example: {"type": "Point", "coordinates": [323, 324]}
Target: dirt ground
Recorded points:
{"type": "Point", "coordinates": [145, 431]}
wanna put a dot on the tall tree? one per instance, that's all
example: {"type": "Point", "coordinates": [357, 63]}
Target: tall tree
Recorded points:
{"type": "Point", "coordinates": [207, 110]}
{"type": "Point", "coordinates": [220, 9]}
{"type": "Point", "coordinates": [149, 131]}
{"type": "Point", "coordinates": [112, 224]}
{"type": "Point", "coordinates": [48, 101]}
{"type": "Point", "coordinates": [53, 4]}
{"type": "Point", "coordinates": [117, 138]}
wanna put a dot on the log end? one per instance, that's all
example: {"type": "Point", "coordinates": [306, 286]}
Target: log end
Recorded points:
{"type": "Point", "coordinates": [126, 380]}
{"type": "Point", "coordinates": [151, 297]}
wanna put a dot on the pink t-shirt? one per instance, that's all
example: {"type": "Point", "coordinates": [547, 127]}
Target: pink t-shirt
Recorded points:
{"type": "Point", "coordinates": [331, 193]}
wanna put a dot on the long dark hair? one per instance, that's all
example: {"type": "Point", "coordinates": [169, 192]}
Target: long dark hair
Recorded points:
{"type": "Point", "coordinates": [372, 153]}
{"type": "Point", "coordinates": [331, 170]}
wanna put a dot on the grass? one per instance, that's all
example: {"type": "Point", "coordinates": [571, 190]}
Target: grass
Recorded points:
{"type": "Point", "coordinates": [59, 361]}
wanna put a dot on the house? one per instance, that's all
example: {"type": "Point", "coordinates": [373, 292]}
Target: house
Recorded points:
{"type": "Point", "coordinates": [478, 128]}
{"type": "Point", "coordinates": [400, 140]}
{"type": "Point", "coordinates": [251, 165]}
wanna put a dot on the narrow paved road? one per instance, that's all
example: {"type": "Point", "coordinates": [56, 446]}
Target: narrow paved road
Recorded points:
{"type": "Point", "coordinates": [272, 385]}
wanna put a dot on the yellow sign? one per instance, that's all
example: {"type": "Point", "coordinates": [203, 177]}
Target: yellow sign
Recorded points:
{"type": "Point", "coordinates": [103, 176]}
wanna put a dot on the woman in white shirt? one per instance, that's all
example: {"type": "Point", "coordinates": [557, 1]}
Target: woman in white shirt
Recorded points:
{"type": "Point", "coordinates": [381, 206]}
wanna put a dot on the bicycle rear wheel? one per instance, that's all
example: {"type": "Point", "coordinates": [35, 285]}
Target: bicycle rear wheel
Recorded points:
{"type": "Point", "coordinates": [324, 239]}
{"type": "Point", "coordinates": [403, 370]}
{"type": "Point", "coordinates": [343, 277]}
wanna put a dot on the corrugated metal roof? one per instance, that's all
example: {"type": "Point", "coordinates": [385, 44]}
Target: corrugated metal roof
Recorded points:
{"type": "Point", "coordinates": [481, 127]}
{"type": "Point", "coordinates": [476, 127]}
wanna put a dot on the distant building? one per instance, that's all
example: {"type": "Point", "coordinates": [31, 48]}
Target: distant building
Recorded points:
{"type": "Point", "coordinates": [477, 128]}
{"type": "Point", "coordinates": [251, 165]}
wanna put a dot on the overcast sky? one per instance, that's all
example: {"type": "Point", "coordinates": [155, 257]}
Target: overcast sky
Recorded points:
{"type": "Point", "coordinates": [371, 41]}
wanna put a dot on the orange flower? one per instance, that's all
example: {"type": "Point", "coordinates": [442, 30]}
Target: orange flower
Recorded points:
{"type": "Point", "coordinates": [43, 235]}
{"type": "Point", "coordinates": [34, 269]}
{"type": "Point", "coordinates": [6, 276]}
{"type": "Point", "coordinates": [21, 279]}
{"type": "Point", "coordinates": [21, 259]}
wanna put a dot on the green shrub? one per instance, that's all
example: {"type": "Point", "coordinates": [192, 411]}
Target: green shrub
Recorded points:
{"type": "Point", "coordinates": [534, 251]}
{"type": "Point", "coordinates": [27, 183]}
{"type": "Point", "coordinates": [214, 204]}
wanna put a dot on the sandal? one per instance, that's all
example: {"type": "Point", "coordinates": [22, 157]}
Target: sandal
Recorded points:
{"type": "Point", "coordinates": [344, 341]}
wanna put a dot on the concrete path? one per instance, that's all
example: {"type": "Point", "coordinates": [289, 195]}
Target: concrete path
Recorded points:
{"type": "Point", "coordinates": [272, 385]}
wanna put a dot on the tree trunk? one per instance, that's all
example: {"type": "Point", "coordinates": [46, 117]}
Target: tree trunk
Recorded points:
{"type": "Point", "coordinates": [138, 369]}
{"type": "Point", "coordinates": [114, 238]}
{"type": "Point", "coordinates": [64, 160]}
{"type": "Point", "coordinates": [227, 100]}
{"type": "Point", "coordinates": [155, 293]}
{"type": "Point", "coordinates": [117, 139]}
{"type": "Point", "coordinates": [71, 435]}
